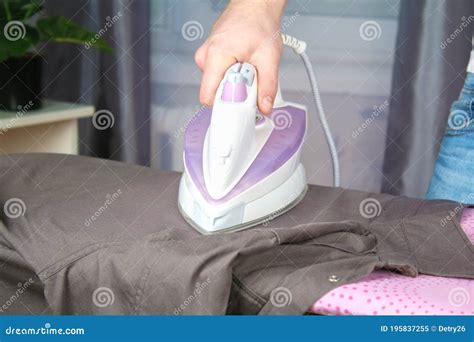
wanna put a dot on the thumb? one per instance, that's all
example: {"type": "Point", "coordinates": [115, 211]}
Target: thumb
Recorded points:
{"type": "Point", "coordinates": [267, 73]}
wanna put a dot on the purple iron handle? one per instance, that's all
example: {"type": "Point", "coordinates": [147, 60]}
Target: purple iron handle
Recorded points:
{"type": "Point", "coordinates": [234, 92]}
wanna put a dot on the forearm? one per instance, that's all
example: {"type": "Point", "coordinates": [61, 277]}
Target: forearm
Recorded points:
{"type": "Point", "coordinates": [270, 8]}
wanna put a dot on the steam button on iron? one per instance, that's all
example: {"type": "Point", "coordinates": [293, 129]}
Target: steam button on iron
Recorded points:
{"type": "Point", "coordinates": [248, 73]}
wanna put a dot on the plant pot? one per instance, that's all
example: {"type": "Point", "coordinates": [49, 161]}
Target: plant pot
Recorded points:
{"type": "Point", "coordinates": [20, 83]}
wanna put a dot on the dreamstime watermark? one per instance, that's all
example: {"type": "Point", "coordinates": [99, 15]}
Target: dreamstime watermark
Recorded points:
{"type": "Point", "coordinates": [458, 297]}
{"type": "Point", "coordinates": [180, 131]}
{"type": "Point", "coordinates": [280, 297]}
{"type": "Point", "coordinates": [22, 110]}
{"type": "Point", "coordinates": [198, 289]}
{"type": "Point", "coordinates": [14, 30]}
{"type": "Point", "coordinates": [103, 119]}
{"type": "Point", "coordinates": [14, 208]}
{"type": "Point", "coordinates": [376, 112]}
{"type": "Point", "coordinates": [465, 22]}
{"type": "Point", "coordinates": [47, 329]}
{"type": "Point", "coordinates": [370, 30]}
{"type": "Point", "coordinates": [22, 287]}
{"type": "Point", "coordinates": [458, 119]}
{"type": "Point", "coordinates": [272, 216]}
{"type": "Point", "coordinates": [109, 199]}
{"type": "Point", "coordinates": [370, 208]}
{"type": "Point", "coordinates": [286, 23]}
{"type": "Point", "coordinates": [457, 209]}
{"type": "Point", "coordinates": [294, 194]}
{"type": "Point", "coordinates": [282, 119]}
{"type": "Point", "coordinates": [109, 22]}
{"type": "Point", "coordinates": [192, 30]}
{"type": "Point", "coordinates": [102, 297]}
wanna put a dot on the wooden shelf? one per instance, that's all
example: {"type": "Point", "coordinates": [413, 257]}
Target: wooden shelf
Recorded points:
{"type": "Point", "coordinates": [51, 129]}
{"type": "Point", "coordinates": [52, 111]}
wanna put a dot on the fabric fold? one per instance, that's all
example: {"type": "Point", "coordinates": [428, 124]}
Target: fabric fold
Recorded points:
{"type": "Point", "coordinates": [104, 237]}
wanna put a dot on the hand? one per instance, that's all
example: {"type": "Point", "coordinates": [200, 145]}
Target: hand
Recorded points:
{"type": "Point", "coordinates": [247, 31]}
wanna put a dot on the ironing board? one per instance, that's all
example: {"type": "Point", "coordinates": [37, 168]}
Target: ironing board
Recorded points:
{"type": "Point", "coordinates": [387, 293]}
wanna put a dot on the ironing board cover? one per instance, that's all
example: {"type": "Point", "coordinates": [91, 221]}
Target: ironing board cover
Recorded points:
{"type": "Point", "coordinates": [387, 293]}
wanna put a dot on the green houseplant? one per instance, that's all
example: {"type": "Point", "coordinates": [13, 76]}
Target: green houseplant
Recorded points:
{"type": "Point", "coordinates": [24, 27]}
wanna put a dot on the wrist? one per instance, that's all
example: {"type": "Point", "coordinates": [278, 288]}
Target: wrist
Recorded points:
{"type": "Point", "coordinates": [272, 8]}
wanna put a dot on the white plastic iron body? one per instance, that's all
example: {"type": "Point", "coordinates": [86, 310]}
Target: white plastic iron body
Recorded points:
{"type": "Point", "coordinates": [233, 140]}
{"type": "Point", "coordinates": [242, 168]}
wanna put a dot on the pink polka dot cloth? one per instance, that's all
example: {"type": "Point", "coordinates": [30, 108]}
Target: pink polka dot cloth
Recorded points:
{"type": "Point", "coordinates": [386, 293]}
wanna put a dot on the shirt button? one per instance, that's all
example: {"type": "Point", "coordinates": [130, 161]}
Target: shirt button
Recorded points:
{"type": "Point", "coordinates": [333, 278]}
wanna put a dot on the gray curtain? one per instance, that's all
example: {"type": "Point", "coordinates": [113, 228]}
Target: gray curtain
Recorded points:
{"type": "Point", "coordinates": [428, 76]}
{"type": "Point", "coordinates": [117, 81]}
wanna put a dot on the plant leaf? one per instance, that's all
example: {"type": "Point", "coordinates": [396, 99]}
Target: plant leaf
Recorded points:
{"type": "Point", "coordinates": [31, 8]}
{"type": "Point", "coordinates": [62, 30]}
{"type": "Point", "coordinates": [19, 9]}
{"type": "Point", "coordinates": [17, 46]}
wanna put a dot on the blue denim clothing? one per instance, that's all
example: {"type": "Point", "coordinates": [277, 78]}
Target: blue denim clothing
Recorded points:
{"type": "Point", "coordinates": [453, 177]}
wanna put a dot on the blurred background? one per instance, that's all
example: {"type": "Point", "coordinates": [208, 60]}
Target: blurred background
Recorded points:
{"type": "Point", "coordinates": [388, 72]}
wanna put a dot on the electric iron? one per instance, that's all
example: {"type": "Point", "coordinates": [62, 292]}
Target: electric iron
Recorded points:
{"type": "Point", "coordinates": [242, 168]}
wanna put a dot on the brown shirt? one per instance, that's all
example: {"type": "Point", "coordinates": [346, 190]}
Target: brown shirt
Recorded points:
{"type": "Point", "coordinates": [103, 237]}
